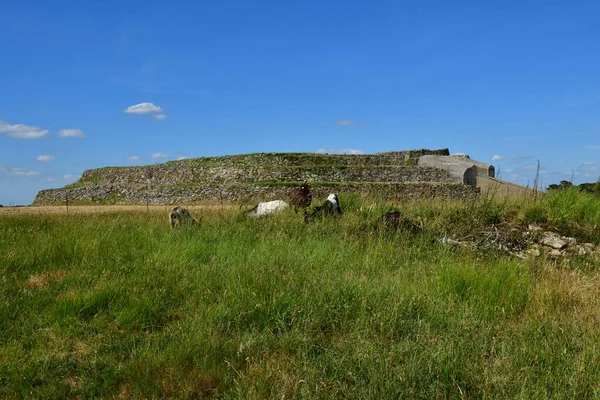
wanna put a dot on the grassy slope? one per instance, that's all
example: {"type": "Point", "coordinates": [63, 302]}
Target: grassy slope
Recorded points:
{"type": "Point", "coordinates": [117, 305]}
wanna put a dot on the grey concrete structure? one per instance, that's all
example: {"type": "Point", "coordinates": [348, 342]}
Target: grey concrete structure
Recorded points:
{"type": "Point", "coordinates": [460, 169]}
{"type": "Point", "coordinates": [484, 170]}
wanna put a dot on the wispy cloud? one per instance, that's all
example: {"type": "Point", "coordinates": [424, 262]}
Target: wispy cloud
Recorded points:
{"type": "Point", "coordinates": [590, 169]}
{"type": "Point", "coordinates": [591, 166]}
{"type": "Point", "coordinates": [159, 117]}
{"type": "Point", "coordinates": [70, 133]}
{"type": "Point", "coordinates": [20, 131]}
{"type": "Point", "coordinates": [133, 158]}
{"type": "Point", "coordinates": [16, 171]}
{"type": "Point", "coordinates": [160, 155]}
{"type": "Point", "coordinates": [71, 177]}
{"type": "Point", "coordinates": [21, 172]}
{"type": "Point", "coordinates": [345, 122]}
{"type": "Point", "coordinates": [143, 108]}
{"type": "Point", "coordinates": [334, 151]}
{"type": "Point", "coordinates": [182, 158]}
{"type": "Point", "coordinates": [44, 158]}
{"type": "Point", "coordinates": [518, 159]}
{"type": "Point", "coordinates": [593, 147]}
{"type": "Point", "coordinates": [54, 150]}
{"type": "Point", "coordinates": [497, 158]}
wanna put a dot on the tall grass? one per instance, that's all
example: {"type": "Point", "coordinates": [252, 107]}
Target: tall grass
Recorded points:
{"type": "Point", "coordinates": [569, 208]}
{"type": "Point", "coordinates": [117, 305]}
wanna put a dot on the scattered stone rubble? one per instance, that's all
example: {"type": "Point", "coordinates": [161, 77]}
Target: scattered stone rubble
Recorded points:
{"type": "Point", "coordinates": [533, 242]}
{"type": "Point", "coordinates": [555, 245]}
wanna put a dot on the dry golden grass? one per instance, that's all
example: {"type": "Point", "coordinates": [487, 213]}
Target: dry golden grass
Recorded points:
{"type": "Point", "coordinates": [570, 293]}
{"type": "Point", "coordinates": [110, 209]}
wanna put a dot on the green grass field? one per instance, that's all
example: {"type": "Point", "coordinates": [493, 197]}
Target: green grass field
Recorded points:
{"type": "Point", "coordinates": [118, 306]}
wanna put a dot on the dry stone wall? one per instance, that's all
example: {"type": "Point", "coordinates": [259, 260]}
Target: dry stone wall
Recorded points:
{"type": "Point", "coordinates": [181, 174]}
{"type": "Point", "coordinates": [176, 194]}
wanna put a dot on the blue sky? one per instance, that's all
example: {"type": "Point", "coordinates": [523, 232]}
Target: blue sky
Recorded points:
{"type": "Point", "coordinates": [507, 82]}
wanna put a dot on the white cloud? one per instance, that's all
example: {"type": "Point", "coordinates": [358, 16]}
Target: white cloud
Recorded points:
{"type": "Point", "coordinates": [593, 147]}
{"type": "Point", "coordinates": [133, 158]}
{"type": "Point", "coordinates": [159, 117]}
{"type": "Point", "coordinates": [160, 155]}
{"type": "Point", "coordinates": [182, 158]}
{"type": "Point", "coordinates": [143, 108]}
{"type": "Point", "coordinates": [346, 122]}
{"type": "Point", "coordinates": [530, 167]}
{"type": "Point", "coordinates": [71, 133]}
{"type": "Point", "coordinates": [497, 158]}
{"type": "Point", "coordinates": [509, 170]}
{"type": "Point", "coordinates": [21, 131]}
{"type": "Point", "coordinates": [353, 151]}
{"type": "Point", "coordinates": [70, 177]}
{"type": "Point", "coordinates": [334, 151]}
{"type": "Point", "coordinates": [44, 158]}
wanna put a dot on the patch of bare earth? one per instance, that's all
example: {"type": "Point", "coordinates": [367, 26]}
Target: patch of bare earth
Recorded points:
{"type": "Point", "coordinates": [74, 382]}
{"type": "Point", "coordinates": [41, 280]}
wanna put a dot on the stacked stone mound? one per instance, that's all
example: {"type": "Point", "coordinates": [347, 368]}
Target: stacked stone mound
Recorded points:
{"type": "Point", "coordinates": [263, 177]}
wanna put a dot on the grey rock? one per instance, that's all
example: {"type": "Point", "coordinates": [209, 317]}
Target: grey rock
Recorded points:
{"type": "Point", "coordinates": [534, 228]}
{"type": "Point", "coordinates": [553, 240]}
{"type": "Point", "coordinates": [534, 252]}
{"type": "Point", "coordinates": [582, 251]}
{"type": "Point", "coordinates": [556, 253]}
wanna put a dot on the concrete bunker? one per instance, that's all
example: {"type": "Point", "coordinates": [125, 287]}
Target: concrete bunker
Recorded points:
{"type": "Point", "coordinates": [483, 169]}
{"type": "Point", "coordinates": [461, 170]}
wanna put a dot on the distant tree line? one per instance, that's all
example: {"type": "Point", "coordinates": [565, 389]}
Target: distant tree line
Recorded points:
{"type": "Point", "coordinates": [584, 187]}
